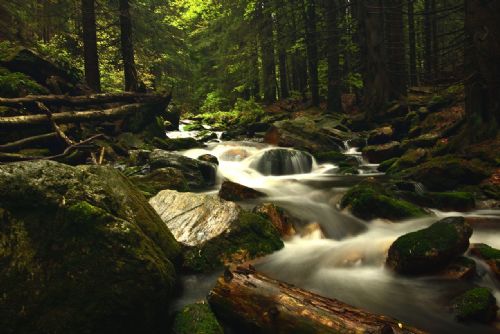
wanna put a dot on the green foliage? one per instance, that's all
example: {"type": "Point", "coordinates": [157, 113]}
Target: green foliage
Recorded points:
{"type": "Point", "coordinates": [196, 319]}
{"type": "Point", "coordinates": [244, 112]}
{"type": "Point", "coordinates": [18, 84]}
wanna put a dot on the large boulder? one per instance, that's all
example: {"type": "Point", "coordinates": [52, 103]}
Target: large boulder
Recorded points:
{"type": "Point", "coordinates": [199, 174]}
{"type": "Point", "coordinates": [214, 231]}
{"type": "Point", "coordinates": [277, 216]}
{"type": "Point", "coordinates": [370, 200]}
{"type": "Point", "coordinates": [447, 173]}
{"type": "Point", "coordinates": [282, 161]}
{"type": "Point", "coordinates": [380, 136]}
{"type": "Point", "coordinates": [160, 179]}
{"type": "Point", "coordinates": [303, 133]}
{"type": "Point", "coordinates": [82, 251]}
{"type": "Point", "coordinates": [431, 249]}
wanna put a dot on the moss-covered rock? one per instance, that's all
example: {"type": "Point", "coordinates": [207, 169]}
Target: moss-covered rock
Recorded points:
{"type": "Point", "coordinates": [209, 158]}
{"type": "Point", "coordinates": [82, 252]}
{"type": "Point", "coordinates": [379, 153]}
{"type": "Point", "coordinates": [385, 165]}
{"type": "Point", "coordinates": [178, 144]}
{"type": "Point", "coordinates": [488, 254]}
{"type": "Point", "coordinates": [380, 136]}
{"type": "Point", "coordinates": [161, 179]}
{"type": "Point", "coordinates": [410, 159]}
{"type": "Point", "coordinates": [214, 231]}
{"type": "Point", "coordinates": [447, 201]}
{"type": "Point", "coordinates": [447, 173]}
{"type": "Point", "coordinates": [370, 200]}
{"type": "Point", "coordinates": [430, 249]}
{"type": "Point", "coordinates": [193, 127]}
{"type": "Point", "coordinates": [477, 304]}
{"type": "Point", "coordinates": [277, 216]}
{"type": "Point", "coordinates": [250, 236]}
{"type": "Point", "coordinates": [459, 269]}
{"type": "Point", "coordinates": [337, 158]}
{"type": "Point", "coordinates": [196, 319]}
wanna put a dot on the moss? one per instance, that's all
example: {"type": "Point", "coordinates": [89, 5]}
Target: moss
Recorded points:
{"type": "Point", "coordinates": [477, 304]}
{"type": "Point", "coordinates": [447, 172]}
{"type": "Point", "coordinates": [176, 144]}
{"type": "Point", "coordinates": [335, 157]}
{"type": "Point", "coordinates": [431, 248]}
{"type": "Point", "coordinates": [451, 200]}
{"type": "Point", "coordinates": [487, 252]}
{"type": "Point", "coordinates": [194, 127]}
{"type": "Point", "coordinates": [409, 159]}
{"type": "Point", "coordinates": [160, 179]}
{"type": "Point", "coordinates": [14, 84]}
{"type": "Point", "coordinates": [251, 236]}
{"type": "Point", "coordinates": [370, 200]}
{"type": "Point", "coordinates": [196, 319]}
{"type": "Point", "coordinates": [385, 165]}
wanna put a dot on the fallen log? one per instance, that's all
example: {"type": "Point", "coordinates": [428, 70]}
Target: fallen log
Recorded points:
{"type": "Point", "coordinates": [260, 304]}
{"type": "Point", "coordinates": [82, 101]}
{"type": "Point", "coordinates": [70, 117]}
{"type": "Point", "coordinates": [40, 140]}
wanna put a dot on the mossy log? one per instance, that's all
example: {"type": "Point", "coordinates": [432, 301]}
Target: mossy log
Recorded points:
{"type": "Point", "coordinates": [246, 298]}
{"type": "Point", "coordinates": [70, 117]}
{"type": "Point", "coordinates": [82, 101]}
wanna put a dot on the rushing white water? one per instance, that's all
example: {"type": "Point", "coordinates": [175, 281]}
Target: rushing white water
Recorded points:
{"type": "Point", "coordinates": [349, 263]}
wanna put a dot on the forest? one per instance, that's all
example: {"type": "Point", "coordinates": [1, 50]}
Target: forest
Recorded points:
{"type": "Point", "coordinates": [249, 166]}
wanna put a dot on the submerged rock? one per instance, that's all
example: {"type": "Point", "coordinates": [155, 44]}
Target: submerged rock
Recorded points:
{"type": "Point", "coordinates": [214, 231]}
{"type": "Point", "coordinates": [430, 249]}
{"type": "Point", "coordinates": [231, 191]}
{"type": "Point", "coordinates": [82, 252]}
{"type": "Point", "coordinates": [371, 200]}
{"type": "Point", "coordinates": [477, 304]}
{"type": "Point", "coordinates": [196, 319]}
{"type": "Point", "coordinates": [282, 161]}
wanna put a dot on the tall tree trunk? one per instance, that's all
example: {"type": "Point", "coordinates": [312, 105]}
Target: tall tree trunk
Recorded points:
{"type": "Point", "coordinates": [376, 82]}
{"type": "Point", "coordinates": [282, 58]}
{"type": "Point", "coordinates": [412, 42]}
{"type": "Point", "coordinates": [267, 45]}
{"type": "Point", "coordinates": [428, 41]}
{"type": "Point", "coordinates": [91, 58]}
{"type": "Point", "coordinates": [483, 68]}
{"type": "Point", "coordinates": [131, 81]}
{"type": "Point", "coordinates": [396, 51]}
{"type": "Point", "coordinates": [333, 45]}
{"type": "Point", "coordinates": [312, 48]}
{"type": "Point", "coordinates": [435, 40]}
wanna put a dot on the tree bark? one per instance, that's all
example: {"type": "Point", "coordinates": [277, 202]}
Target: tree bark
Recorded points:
{"type": "Point", "coordinates": [282, 58]}
{"type": "Point", "coordinates": [127, 47]}
{"type": "Point", "coordinates": [412, 43]}
{"type": "Point", "coordinates": [334, 99]}
{"type": "Point", "coordinates": [396, 50]}
{"type": "Point", "coordinates": [483, 67]}
{"type": "Point", "coordinates": [312, 48]}
{"type": "Point", "coordinates": [90, 55]}
{"type": "Point", "coordinates": [263, 305]}
{"type": "Point", "coordinates": [427, 41]}
{"type": "Point", "coordinates": [81, 101]}
{"type": "Point", "coordinates": [267, 45]}
{"type": "Point", "coordinates": [376, 84]}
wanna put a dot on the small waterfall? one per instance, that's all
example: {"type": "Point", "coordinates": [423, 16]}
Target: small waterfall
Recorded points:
{"type": "Point", "coordinates": [283, 161]}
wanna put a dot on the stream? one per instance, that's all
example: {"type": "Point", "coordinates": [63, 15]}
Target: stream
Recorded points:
{"type": "Point", "coordinates": [347, 261]}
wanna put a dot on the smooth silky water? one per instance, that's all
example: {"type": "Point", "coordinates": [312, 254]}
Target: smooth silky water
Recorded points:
{"type": "Point", "coordinates": [349, 263]}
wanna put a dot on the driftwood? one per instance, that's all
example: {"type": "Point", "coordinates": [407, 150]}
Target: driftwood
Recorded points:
{"type": "Point", "coordinates": [260, 304]}
{"type": "Point", "coordinates": [82, 101]}
{"type": "Point", "coordinates": [70, 117]}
